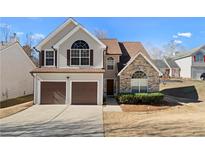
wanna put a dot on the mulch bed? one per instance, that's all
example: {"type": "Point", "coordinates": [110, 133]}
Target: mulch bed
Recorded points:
{"type": "Point", "coordinates": [141, 108]}
{"type": "Point", "coordinates": [147, 107]}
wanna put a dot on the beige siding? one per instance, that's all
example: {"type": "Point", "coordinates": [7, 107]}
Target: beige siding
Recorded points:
{"type": "Point", "coordinates": [58, 36]}
{"type": "Point", "coordinates": [15, 68]}
{"type": "Point", "coordinates": [81, 35]}
{"type": "Point", "coordinates": [111, 74]}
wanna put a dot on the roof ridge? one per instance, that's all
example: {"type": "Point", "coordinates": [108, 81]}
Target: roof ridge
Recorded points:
{"type": "Point", "coordinates": [108, 39]}
{"type": "Point", "coordinates": [131, 42]}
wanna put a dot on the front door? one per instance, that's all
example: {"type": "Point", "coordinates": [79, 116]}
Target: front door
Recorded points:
{"type": "Point", "coordinates": [110, 87]}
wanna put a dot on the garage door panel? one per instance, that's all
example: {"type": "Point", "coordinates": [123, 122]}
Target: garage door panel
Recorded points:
{"type": "Point", "coordinates": [53, 92]}
{"type": "Point", "coordinates": [84, 93]}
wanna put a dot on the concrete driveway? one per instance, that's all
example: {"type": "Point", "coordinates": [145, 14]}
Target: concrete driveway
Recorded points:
{"type": "Point", "coordinates": [54, 120]}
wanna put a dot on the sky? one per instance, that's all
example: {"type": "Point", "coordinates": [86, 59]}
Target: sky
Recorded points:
{"type": "Point", "coordinates": [189, 32]}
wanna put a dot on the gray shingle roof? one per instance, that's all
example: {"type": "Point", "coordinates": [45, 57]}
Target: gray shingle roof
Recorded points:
{"type": "Point", "coordinates": [171, 63]}
{"type": "Point", "coordinates": [160, 63]}
{"type": "Point", "coordinates": [189, 53]}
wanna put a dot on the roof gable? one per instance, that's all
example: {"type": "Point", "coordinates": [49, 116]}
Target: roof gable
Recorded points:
{"type": "Point", "coordinates": [17, 45]}
{"type": "Point", "coordinates": [190, 53]}
{"type": "Point", "coordinates": [134, 48]}
{"type": "Point", "coordinates": [129, 50]}
{"type": "Point", "coordinates": [133, 58]}
{"type": "Point", "coordinates": [76, 29]}
{"type": "Point", "coordinates": [171, 63]}
{"type": "Point", "coordinates": [56, 31]}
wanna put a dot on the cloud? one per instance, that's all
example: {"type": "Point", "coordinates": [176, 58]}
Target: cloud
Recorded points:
{"type": "Point", "coordinates": [185, 34]}
{"type": "Point", "coordinates": [19, 33]}
{"type": "Point", "coordinates": [175, 36]}
{"type": "Point", "coordinates": [177, 41]}
{"type": "Point", "coordinates": [37, 36]}
{"type": "Point", "coordinates": [4, 25]}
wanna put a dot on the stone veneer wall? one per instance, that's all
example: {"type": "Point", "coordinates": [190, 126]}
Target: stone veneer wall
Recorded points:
{"type": "Point", "coordinates": [139, 64]}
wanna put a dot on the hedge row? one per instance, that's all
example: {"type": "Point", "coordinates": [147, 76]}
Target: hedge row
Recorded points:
{"type": "Point", "coordinates": [149, 98]}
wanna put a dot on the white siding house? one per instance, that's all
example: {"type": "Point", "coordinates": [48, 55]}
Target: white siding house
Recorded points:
{"type": "Point", "coordinates": [192, 64]}
{"type": "Point", "coordinates": [15, 67]}
{"type": "Point", "coordinates": [185, 65]}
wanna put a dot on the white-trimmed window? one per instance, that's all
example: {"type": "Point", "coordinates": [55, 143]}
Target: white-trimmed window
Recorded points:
{"type": "Point", "coordinates": [139, 82]}
{"type": "Point", "coordinates": [80, 57]}
{"type": "Point", "coordinates": [80, 54]}
{"type": "Point", "coordinates": [110, 63]}
{"type": "Point", "coordinates": [49, 58]}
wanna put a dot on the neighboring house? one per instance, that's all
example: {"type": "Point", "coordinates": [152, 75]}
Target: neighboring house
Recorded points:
{"type": "Point", "coordinates": [15, 67]}
{"type": "Point", "coordinates": [78, 68]}
{"type": "Point", "coordinates": [192, 64]}
{"type": "Point", "coordinates": [168, 67]}
{"type": "Point", "coordinates": [163, 67]}
{"type": "Point", "coordinates": [173, 67]}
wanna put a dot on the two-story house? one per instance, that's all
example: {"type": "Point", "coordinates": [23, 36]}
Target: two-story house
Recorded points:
{"type": "Point", "coordinates": [78, 68]}
{"type": "Point", "coordinates": [15, 67]}
{"type": "Point", "coordinates": [192, 64]}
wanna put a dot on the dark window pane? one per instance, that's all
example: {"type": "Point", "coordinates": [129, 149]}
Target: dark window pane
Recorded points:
{"type": "Point", "coordinates": [135, 89]}
{"type": "Point", "coordinates": [84, 53]}
{"type": "Point", "coordinates": [84, 61]}
{"type": "Point", "coordinates": [75, 53]}
{"type": "Point", "coordinates": [49, 62]}
{"type": "Point", "coordinates": [49, 53]}
{"type": "Point", "coordinates": [143, 89]}
{"type": "Point", "coordinates": [110, 67]}
{"type": "Point", "coordinates": [74, 61]}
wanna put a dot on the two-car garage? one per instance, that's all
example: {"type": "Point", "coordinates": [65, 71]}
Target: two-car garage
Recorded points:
{"type": "Point", "coordinates": [82, 93]}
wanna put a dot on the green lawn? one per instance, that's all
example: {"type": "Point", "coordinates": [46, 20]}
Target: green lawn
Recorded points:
{"type": "Point", "coordinates": [16, 101]}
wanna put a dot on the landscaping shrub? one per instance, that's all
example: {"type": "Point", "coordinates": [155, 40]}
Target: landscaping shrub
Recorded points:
{"type": "Point", "coordinates": [140, 98]}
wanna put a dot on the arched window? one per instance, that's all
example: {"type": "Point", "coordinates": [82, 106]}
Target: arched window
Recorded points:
{"type": "Point", "coordinates": [80, 44]}
{"type": "Point", "coordinates": [80, 53]}
{"type": "Point", "coordinates": [139, 82]}
{"type": "Point", "coordinates": [139, 75]}
{"type": "Point", "coordinates": [110, 63]}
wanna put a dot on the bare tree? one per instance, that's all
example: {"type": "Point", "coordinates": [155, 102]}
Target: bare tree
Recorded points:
{"type": "Point", "coordinates": [171, 47]}
{"type": "Point", "coordinates": [101, 34]}
{"type": "Point", "coordinates": [155, 52]}
{"type": "Point", "coordinates": [29, 39]}
{"type": "Point", "coordinates": [5, 32]}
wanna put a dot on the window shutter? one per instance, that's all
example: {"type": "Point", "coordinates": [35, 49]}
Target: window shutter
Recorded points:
{"type": "Point", "coordinates": [56, 58]}
{"type": "Point", "coordinates": [194, 58]}
{"type": "Point", "coordinates": [68, 57]}
{"type": "Point", "coordinates": [42, 58]}
{"type": "Point", "coordinates": [91, 57]}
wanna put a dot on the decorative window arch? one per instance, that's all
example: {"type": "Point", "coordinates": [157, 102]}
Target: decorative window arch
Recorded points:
{"type": "Point", "coordinates": [139, 75]}
{"type": "Point", "coordinates": [110, 63]}
{"type": "Point", "coordinates": [81, 55]}
{"type": "Point", "coordinates": [80, 44]}
{"type": "Point", "coordinates": [139, 82]}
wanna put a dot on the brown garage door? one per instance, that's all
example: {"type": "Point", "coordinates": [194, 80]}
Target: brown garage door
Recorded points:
{"type": "Point", "coordinates": [84, 93]}
{"type": "Point", "coordinates": [53, 92]}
